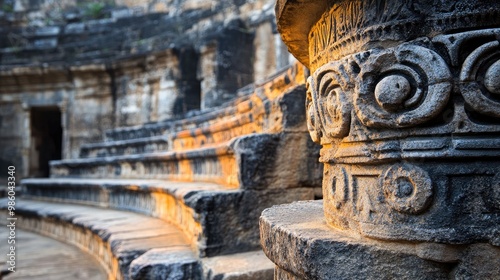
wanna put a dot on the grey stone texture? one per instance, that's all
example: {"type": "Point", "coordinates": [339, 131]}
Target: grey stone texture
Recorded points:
{"type": "Point", "coordinates": [138, 63]}
{"type": "Point", "coordinates": [303, 246]}
{"type": "Point", "coordinates": [402, 98]}
{"type": "Point", "coordinates": [35, 261]}
{"type": "Point", "coordinates": [181, 199]}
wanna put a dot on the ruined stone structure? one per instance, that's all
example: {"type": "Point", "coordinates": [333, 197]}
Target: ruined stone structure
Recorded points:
{"type": "Point", "coordinates": [162, 149]}
{"type": "Point", "coordinates": [404, 99]}
{"type": "Point", "coordinates": [181, 199]}
{"type": "Point", "coordinates": [90, 68]}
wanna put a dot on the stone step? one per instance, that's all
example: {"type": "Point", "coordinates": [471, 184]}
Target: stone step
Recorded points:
{"type": "Point", "coordinates": [215, 164]}
{"type": "Point", "coordinates": [115, 238]}
{"type": "Point", "coordinates": [133, 246]}
{"type": "Point", "coordinates": [125, 147]}
{"type": "Point", "coordinates": [247, 162]}
{"type": "Point", "coordinates": [242, 266]}
{"type": "Point", "coordinates": [206, 213]}
{"type": "Point", "coordinates": [199, 119]}
{"type": "Point", "coordinates": [274, 104]}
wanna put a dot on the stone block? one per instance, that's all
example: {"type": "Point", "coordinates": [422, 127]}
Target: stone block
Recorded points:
{"type": "Point", "coordinates": [298, 240]}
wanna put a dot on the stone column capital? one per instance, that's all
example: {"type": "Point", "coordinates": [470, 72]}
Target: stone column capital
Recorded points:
{"type": "Point", "coordinates": [404, 97]}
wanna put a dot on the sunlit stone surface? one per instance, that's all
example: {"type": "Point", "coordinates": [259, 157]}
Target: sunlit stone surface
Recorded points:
{"type": "Point", "coordinates": [405, 104]}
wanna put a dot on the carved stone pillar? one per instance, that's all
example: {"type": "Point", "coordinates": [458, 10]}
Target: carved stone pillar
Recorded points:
{"type": "Point", "coordinates": [404, 97]}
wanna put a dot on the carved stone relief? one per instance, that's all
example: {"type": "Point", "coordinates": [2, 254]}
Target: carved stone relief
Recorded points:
{"type": "Point", "coordinates": [379, 182]}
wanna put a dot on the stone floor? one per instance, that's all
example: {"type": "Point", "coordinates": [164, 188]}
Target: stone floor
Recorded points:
{"type": "Point", "coordinates": [39, 257]}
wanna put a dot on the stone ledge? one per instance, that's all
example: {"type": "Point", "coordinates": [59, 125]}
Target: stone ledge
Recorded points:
{"type": "Point", "coordinates": [244, 266]}
{"type": "Point", "coordinates": [296, 238]}
{"type": "Point", "coordinates": [206, 213]}
{"type": "Point", "coordinates": [115, 238]}
{"type": "Point", "coordinates": [253, 161]}
{"type": "Point", "coordinates": [125, 147]}
{"type": "Point", "coordinates": [40, 257]}
{"type": "Point", "coordinates": [134, 247]}
{"type": "Point", "coordinates": [272, 105]}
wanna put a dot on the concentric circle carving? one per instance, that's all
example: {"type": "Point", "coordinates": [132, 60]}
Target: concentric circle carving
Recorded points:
{"type": "Point", "coordinates": [480, 79]}
{"type": "Point", "coordinates": [402, 87]}
{"type": "Point", "coordinates": [407, 188]}
{"type": "Point", "coordinates": [327, 91]}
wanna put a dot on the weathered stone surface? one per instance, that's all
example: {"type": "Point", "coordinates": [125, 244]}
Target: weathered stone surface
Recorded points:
{"type": "Point", "coordinates": [402, 97]}
{"type": "Point", "coordinates": [329, 30]}
{"type": "Point", "coordinates": [235, 164]}
{"type": "Point", "coordinates": [125, 147]}
{"type": "Point", "coordinates": [270, 106]}
{"type": "Point", "coordinates": [127, 65]}
{"type": "Point", "coordinates": [206, 213]}
{"type": "Point", "coordinates": [243, 266]}
{"type": "Point", "coordinates": [299, 241]}
{"type": "Point", "coordinates": [163, 264]}
{"type": "Point", "coordinates": [39, 256]}
{"type": "Point", "coordinates": [373, 118]}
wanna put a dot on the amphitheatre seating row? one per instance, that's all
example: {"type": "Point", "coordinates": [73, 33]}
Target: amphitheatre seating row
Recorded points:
{"type": "Point", "coordinates": [182, 198]}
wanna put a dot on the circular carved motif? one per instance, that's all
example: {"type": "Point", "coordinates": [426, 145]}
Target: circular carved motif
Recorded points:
{"type": "Point", "coordinates": [480, 79]}
{"type": "Point", "coordinates": [392, 91]}
{"type": "Point", "coordinates": [327, 88]}
{"type": "Point", "coordinates": [339, 188]}
{"type": "Point", "coordinates": [402, 87]}
{"type": "Point", "coordinates": [407, 188]}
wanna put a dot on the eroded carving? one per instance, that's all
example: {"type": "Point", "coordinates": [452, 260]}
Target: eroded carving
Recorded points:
{"type": "Point", "coordinates": [480, 79]}
{"type": "Point", "coordinates": [328, 103]}
{"type": "Point", "coordinates": [407, 188]}
{"type": "Point", "coordinates": [401, 87]}
{"type": "Point", "coordinates": [312, 114]}
{"type": "Point", "coordinates": [337, 187]}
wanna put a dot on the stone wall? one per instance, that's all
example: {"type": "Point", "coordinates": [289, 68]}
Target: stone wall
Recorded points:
{"type": "Point", "coordinates": [136, 62]}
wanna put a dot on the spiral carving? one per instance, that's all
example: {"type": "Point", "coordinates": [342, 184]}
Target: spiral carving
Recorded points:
{"type": "Point", "coordinates": [328, 109]}
{"type": "Point", "coordinates": [480, 79]}
{"type": "Point", "coordinates": [402, 87]}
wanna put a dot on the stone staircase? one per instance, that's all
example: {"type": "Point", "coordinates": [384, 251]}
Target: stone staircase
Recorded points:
{"type": "Point", "coordinates": [181, 199]}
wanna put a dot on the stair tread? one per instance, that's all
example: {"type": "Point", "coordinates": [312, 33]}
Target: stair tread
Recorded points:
{"type": "Point", "coordinates": [173, 187]}
{"type": "Point", "coordinates": [132, 141]}
{"type": "Point", "coordinates": [143, 241]}
{"type": "Point", "coordinates": [100, 220]}
{"type": "Point", "coordinates": [249, 265]}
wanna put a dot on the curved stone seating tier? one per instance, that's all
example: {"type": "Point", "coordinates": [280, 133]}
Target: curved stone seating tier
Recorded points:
{"type": "Point", "coordinates": [238, 163]}
{"type": "Point", "coordinates": [35, 261]}
{"type": "Point", "coordinates": [264, 116]}
{"type": "Point", "coordinates": [206, 213]}
{"type": "Point", "coordinates": [404, 99]}
{"type": "Point", "coordinates": [116, 238]}
{"type": "Point", "coordinates": [180, 199]}
{"type": "Point", "coordinates": [270, 106]}
{"type": "Point", "coordinates": [208, 177]}
{"type": "Point", "coordinates": [125, 147]}
{"type": "Point", "coordinates": [132, 246]}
